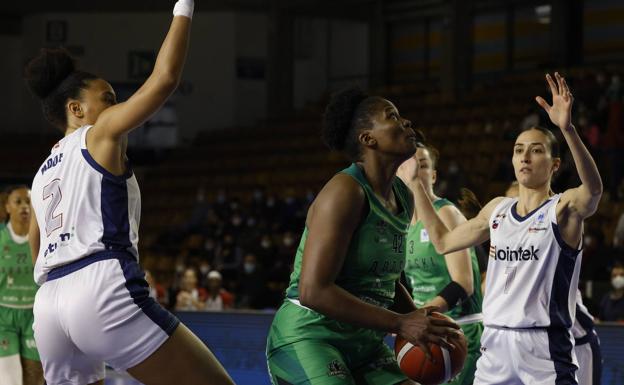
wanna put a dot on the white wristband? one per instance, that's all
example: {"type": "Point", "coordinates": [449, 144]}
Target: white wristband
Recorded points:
{"type": "Point", "coordinates": [184, 8]}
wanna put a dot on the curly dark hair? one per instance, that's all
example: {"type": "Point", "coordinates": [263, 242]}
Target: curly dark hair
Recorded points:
{"type": "Point", "coordinates": [52, 77]}
{"type": "Point", "coordinates": [348, 112]}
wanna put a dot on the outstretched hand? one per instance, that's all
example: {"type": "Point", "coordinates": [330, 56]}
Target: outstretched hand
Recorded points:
{"type": "Point", "coordinates": [560, 113]}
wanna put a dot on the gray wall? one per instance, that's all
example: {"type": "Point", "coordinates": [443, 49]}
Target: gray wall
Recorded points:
{"type": "Point", "coordinates": [217, 97]}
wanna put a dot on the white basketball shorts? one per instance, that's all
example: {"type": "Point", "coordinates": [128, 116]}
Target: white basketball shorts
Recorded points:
{"type": "Point", "coordinates": [539, 356]}
{"type": "Point", "coordinates": [97, 310]}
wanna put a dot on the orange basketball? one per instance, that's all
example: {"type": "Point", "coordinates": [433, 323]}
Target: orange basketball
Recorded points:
{"type": "Point", "coordinates": [444, 365]}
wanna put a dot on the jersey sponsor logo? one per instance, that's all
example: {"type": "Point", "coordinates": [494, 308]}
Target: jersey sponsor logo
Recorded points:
{"type": "Point", "coordinates": [424, 236]}
{"type": "Point", "coordinates": [336, 369]}
{"type": "Point", "coordinates": [4, 344]}
{"type": "Point", "coordinates": [30, 343]}
{"type": "Point", "coordinates": [64, 239]}
{"type": "Point", "coordinates": [51, 162]}
{"type": "Point", "coordinates": [387, 267]}
{"type": "Point", "coordinates": [519, 254]}
{"type": "Point", "coordinates": [382, 363]}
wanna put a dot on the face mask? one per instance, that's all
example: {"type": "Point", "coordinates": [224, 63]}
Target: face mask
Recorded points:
{"type": "Point", "coordinates": [618, 282]}
{"type": "Point", "coordinates": [249, 267]}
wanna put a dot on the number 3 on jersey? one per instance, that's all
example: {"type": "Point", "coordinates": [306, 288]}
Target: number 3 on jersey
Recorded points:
{"type": "Point", "coordinates": [52, 191]}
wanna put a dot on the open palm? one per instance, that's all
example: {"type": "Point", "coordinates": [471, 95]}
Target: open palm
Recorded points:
{"type": "Point", "coordinates": [560, 113]}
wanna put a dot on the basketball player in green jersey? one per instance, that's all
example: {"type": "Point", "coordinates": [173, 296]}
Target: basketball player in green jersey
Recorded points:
{"type": "Point", "coordinates": [19, 360]}
{"type": "Point", "coordinates": [344, 292]}
{"type": "Point", "coordinates": [450, 282]}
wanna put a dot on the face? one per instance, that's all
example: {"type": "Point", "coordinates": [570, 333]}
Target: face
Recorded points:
{"type": "Point", "coordinates": [390, 133]}
{"type": "Point", "coordinates": [426, 172]}
{"type": "Point", "coordinates": [214, 283]}
{"type": "Point", "coordinates": [532, 161]}
{"type": "Point", "coordinates": [189, 280]}
{"type": "Point", "coordinates": [18, 205]}
{"type": "Point", "coordinates": [95, 98]}
{"type": "Point", "coordinates": [617, 272]}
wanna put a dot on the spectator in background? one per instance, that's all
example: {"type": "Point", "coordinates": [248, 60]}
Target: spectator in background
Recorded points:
{"type": "Point", "coordinates": [618, 236]}
{"type": "Point", "coordinates": [156, 290]}
{"type": "Point", "coordinates": [612, 304]}
{"type": "Point", "coordinates": [251, 284]}
{"type": "Point", "coordinates": [191, 297]}
{"type": "Point", "coordinates": [218, 298]}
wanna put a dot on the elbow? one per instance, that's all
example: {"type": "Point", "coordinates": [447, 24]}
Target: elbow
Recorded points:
{"type": "Point", "coordinates": [307, 295]}
{"type": "Point", "coordinates": [167, 81]}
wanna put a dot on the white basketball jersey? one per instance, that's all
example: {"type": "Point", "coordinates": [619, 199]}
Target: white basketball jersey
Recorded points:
{"type": "Point", "coordinates": [532, 274]}
{"type": "Point", "coordinates": [584, 321]}
{"type": "Point", "coordinates": [81, 208]}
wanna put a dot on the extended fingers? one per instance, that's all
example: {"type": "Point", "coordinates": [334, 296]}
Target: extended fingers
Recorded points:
{"type": "Point", "coordinates": [553, 87]}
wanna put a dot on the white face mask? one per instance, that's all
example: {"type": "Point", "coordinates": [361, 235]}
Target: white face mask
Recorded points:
{"type": "Point", "coordinates": [618, 282]}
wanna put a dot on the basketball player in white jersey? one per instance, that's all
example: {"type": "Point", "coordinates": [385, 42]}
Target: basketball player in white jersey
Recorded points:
{"type": "Point", "coordinates": [535, 255]}
{"type": "Point", "coordinates": [93, 305]}
{"type": "Point", "coordinates": [586, 341]}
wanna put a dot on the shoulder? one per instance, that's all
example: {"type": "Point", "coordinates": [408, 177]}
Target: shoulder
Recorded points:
{"type": "Point", "coordinates": [487, 210]}
{"type": "Point", "coordinates": [341, 189]}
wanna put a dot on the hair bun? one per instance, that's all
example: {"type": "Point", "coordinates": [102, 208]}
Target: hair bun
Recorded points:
{"type": "Point", "coordinates": [47, 71]}
{"type": "Point", "coordinates": [338, 116]}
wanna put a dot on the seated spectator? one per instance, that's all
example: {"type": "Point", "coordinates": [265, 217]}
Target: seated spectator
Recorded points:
{"type": "Point", "coordinates": [612, 304]}
{"type": "Point", "coordinates": [218, 298]}
{"type": "Point", "coordinates": [156, 290]}
{"type": "Point", "coordinates": [251, 284]}
{"type": "Point", "coordinates": [191, 297]}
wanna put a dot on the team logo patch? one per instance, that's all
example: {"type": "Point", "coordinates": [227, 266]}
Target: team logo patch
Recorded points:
{"type": "Point", "coordinates": [335, 368]}
{"type": "Point", "coordinates": [4, 344]}
{"type": "Point", "coordinates": [381, 226]}
{"type": "Point", "coordinates": [539, 224]}
{"type": "Point", "coordinates": [497, 220]}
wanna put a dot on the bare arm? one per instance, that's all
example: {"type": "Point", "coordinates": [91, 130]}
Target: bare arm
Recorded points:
{"type": "Point", "coordinates": [459, 263]}
{"type": "Point", "coordinates": [105, 140]}
{"type": "Point", "coordinates": [470, 233]}
{"type": "Point", "coordinates": [583, 200]}
{"type": "Point", "coordinates": [332, 220]}
{"type": "Point", "coordinates": [33, 237]}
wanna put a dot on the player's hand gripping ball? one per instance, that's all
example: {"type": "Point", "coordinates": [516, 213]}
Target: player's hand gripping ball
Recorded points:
{"type": "Point", "coordinates": [442, 367]}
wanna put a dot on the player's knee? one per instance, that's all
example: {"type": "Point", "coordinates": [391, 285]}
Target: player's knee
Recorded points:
{"type": "Point", "coordinates": [11, 369]}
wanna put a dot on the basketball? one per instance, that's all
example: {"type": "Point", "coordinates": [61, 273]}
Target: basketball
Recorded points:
{"type": "Point", "coordinates": [443, 365]}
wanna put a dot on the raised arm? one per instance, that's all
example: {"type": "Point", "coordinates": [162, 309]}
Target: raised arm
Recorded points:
{"type": "Point", "coordinates": [470, 233]}
{"type": "Point", "coordinates": [583, 200]}
{"type": "Point", "coordinates": [332, 220]}
{"type": "Point", "coordinates": [459, 264]}
{"type": "Point", "coordinates": [105, 140]}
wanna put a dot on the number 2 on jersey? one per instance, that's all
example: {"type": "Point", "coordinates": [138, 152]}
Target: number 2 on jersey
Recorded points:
{"type": "Point", "coordinates": [52, 191]}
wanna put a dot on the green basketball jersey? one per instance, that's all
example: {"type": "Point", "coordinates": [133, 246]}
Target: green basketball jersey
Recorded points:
{"type": "Point", "coordinates": [17, 285]}
{"type": "Point", "coordinates": [372, 265]}
{"type": "Point", "coordinates": [376, 254]}
{"type": "Point", "coordinates": [427, 273]}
